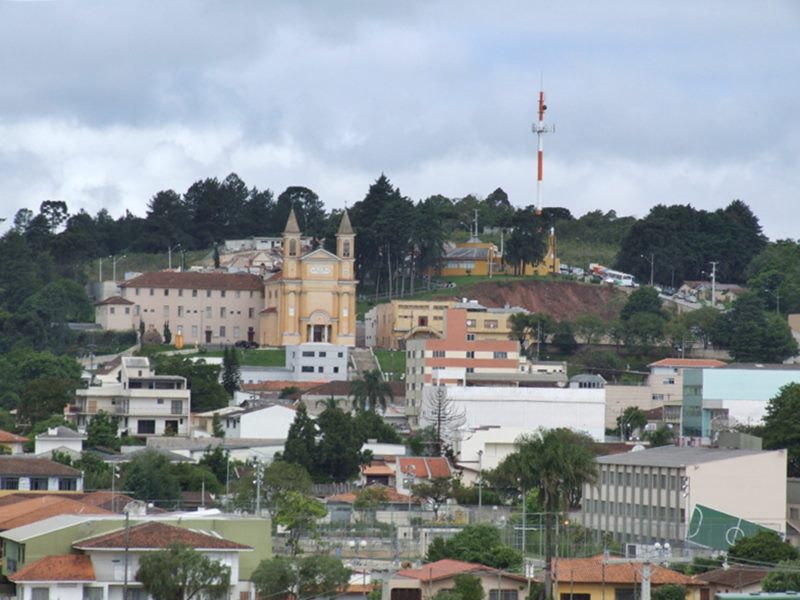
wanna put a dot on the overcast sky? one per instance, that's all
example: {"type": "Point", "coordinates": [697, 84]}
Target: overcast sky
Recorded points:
{"type": "Point", "coordinates": [105, 103]}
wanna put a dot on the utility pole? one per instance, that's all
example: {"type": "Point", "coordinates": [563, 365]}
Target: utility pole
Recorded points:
{"type": "Point", "coordinates": [714, 283]}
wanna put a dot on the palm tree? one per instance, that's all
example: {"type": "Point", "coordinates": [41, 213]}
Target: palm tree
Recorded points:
{"type": "Point", "coordinates": [370, 391]}
{"type": "Point", "coordinates": [556, 462]}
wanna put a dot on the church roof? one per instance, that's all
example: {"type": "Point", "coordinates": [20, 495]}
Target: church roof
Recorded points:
{"type": "Point", "coordinates": [291, 223]}
{"type": "Point", "coordinates": [344, 225]}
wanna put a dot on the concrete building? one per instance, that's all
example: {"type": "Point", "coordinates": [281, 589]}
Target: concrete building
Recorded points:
{"type": "Point", "coordinates": [143, 403]}
{"type": "Point", "coordinates": [269, 422]}
{"type": "Point", "coordinates": [529, 407]}
{"type": "Point", "coordinates": [666, 383]}
{"type": "Point", "coordinates": [425, 582]}
{"type": "Point", "coordinates": [59, 438]}
{"type": "Point", "coordinates": [313, 297]}
{"type": "Point", "coordinates": [714, 399]}
{"type": "Point", "coordinates": [200, 308]}
{"type": "Point", "coordinates": [644, 496]}
{"type": "Point", "coordinates": [392, 324]}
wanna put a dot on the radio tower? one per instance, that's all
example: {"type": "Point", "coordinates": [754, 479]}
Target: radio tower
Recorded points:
{"type": "Point", "coordinates": [539, 128]}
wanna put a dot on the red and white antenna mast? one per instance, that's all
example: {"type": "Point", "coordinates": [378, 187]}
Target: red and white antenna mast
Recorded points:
{"type": "Point", "coordinates": [539, 128]}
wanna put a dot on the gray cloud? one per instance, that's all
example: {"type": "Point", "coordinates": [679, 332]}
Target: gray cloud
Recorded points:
{"type": "Point", "coordinates": [106, 103]}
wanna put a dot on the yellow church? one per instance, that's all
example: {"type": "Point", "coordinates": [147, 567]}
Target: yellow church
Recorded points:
{"type": "Point", "coordinates": [313, 297]}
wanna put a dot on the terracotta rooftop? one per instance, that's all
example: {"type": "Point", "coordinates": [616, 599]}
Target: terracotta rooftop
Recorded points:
{"type": "Point", "coordinates": [734, 577]}
{"type": "Point", "coordinates": [198, 281]}
{"type": "Point", "coordinates": [13, 465]}
{"type": "Point", "coordinates": [153, 535]}
{"type": "Point", "coordinates": [424, 467]}
{"type": "Point", "coordinates": [277, 386]}
{"type": "Point", "coordinates": [6, 437]}
{"type": "Point", "coordinates": [392, 496]}
{"type": "Point", "coordinates": [342, 388]}
{"type": "Point", "coordinates": [113, 300]}
{"type": "Point", "coordinates": [68, 567]}
{"type": "Point", "coordinates": [379, 470]}
{"type": "Point", "coordinates": [31, 510]}
{"type": "Point", "coordinates": [446, 568]}
{"type": "Point", "coordinates": [697, 363]}
{"type": "Point", "coordinates": [594, 570]}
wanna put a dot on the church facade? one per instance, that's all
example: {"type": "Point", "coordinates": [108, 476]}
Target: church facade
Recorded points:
{"type": "Point", "coordinates": [313, 297]}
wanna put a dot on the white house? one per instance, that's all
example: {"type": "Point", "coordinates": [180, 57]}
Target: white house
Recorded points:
{"type": "Point", "coordinates": [270, 422]}
{"type": "Point", "coordinates": [29, 473]}
{"type": "Point", "coordinates": [98, 573]}
{"type": "Point", "coordinates": [143, 403]}
{"type": "Point", "coordinates": [59, 438]}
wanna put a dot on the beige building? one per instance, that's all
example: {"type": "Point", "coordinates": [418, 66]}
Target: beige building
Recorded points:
{"type": "Point", "coordinates": [205, 308]}
{"type": "Point", "coordinates": [392, 324]}
{"type": "Point", "coordinates": [644, 496]}
{"type": "Point", "coordinates": [143, 403]}
{"type": "Point", "coordinates": [313, 297]}
{"type": "Point", "coordinates": [115, 313]}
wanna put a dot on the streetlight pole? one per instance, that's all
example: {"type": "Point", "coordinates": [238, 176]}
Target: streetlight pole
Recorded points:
{"type": "Point", "coordinates": [114, 260]}
{"type": "Point", "coordinates": [480, 485]}
{"type": "Point", "coordinates": [652, 260]}
{"type": "Point", "coordinates": [170, 248]}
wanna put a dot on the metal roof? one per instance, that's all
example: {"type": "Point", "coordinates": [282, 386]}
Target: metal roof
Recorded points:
{"type": "Point", "coordinates": [674, 456]}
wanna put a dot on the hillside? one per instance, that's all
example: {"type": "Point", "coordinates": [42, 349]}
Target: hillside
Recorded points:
{"type": "Point", "coordinates": [562, 300]}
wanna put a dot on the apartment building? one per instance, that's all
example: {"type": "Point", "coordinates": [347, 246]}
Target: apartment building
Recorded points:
{"type": "Point", "coordinates": [204, 308]}
{"type": "Point", "coordinates": [666, 383]}
{"type": "Point", "coordinates": [393, 324]}
{"type": "Point", "coordinates": [644, 496]}
{"type": "Point", "coordinates": [143, 403]}
{"type": "Point", "coordinates": [714, 399]}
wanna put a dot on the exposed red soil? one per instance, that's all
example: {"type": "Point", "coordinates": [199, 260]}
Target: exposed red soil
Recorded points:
{"type": "Point", "coordinates": [562, 300]}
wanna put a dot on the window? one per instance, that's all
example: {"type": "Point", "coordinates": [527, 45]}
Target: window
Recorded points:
{"type": "Point", "coordinates": [438, 354]}
{"type": "Point", "coordinates": [208, 312]}
{"type": "Point", "coordinates": [40, 593]}
{"type": "Point", "coordinates": [502, 594]}
{"type": "Point", "coordinates": [222, 312]}
{"type": "Point", "coordinates": [222, 331]}
{"type": "Point", "coordinates": [146, 426]}
{"type": "Point", "coordinates": [9, 483]}
{"type": "Point", "coordinates": [470, 337]}
{"type": "Point", "coordinates": [237, 332]}
{"type": "Point", "coordinates": [470, 369]}
{"type": "Point", "coordinates": [335, 369]}
{"type": "Point", "coordinates": [208, 293]}
{"type": "Point", "coordinates": [180, 293]}
{"type": "Point", "coordinates": [320, 369]}
{"type": "Point", "coordinates": [292, 247]}
{"type": "Point", "coordinates": [237, 293]}
{"type": "Point", "coordinates": [470, 354]}
{"type": "Point", "coordinates": [194, 331]}
{"type": "Point", "coordinates": [422, 321]}
{"type": "Point", "coordinates": [307, 369]}
{"type": "Point", "coordinates": [341, 355]}
{"type": "Point", "coordinates": [137, 291]}
{"type": "Point", "coordinates": [669, 381]}
{"type": "Point", "coordinates": [166, 291]}
{"type": "Point", "coordinates": [137, 310]}
{"type": "Point", "coordinates": [250, 312]}
{"type": "Point", "coordinates": [346, 249]}
{"type": "Point", "coordinates": [490, 324]}
{"type": "Point", "coordinates": [222, 293]}
{"type": "Point", "coordinates": [111, 310]}
{"type": "Point", "coordinates": [177, 407]}
{"type": "Point", "coordinates": [92, 593]}
{"type": "Point", "coordinates": [500, 355]}
{"type": "Point", "coordinates": [194, 293]}
{"type": "Point", "coordinates": [127, 310]}
{"type": "Point", "coordinates": [165, 310]}
{"type": "Point", "coordinates": [152, 292]}
{"type": "Point", "coordinates": [568, 596]}
{"type": "Point", "coordinates": [470, 323]}
{"type": "Point", "coordinates": [180, 311]}
{"type": "Point", "coordinates": [323, 354]}
{"type": "Point", "coordinates": [67, 484]}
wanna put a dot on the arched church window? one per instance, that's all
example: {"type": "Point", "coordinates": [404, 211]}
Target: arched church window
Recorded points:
{"type": "Point", "coordinates": [346, 248]}
{"type": "Point", "coordinates": [292, 247]}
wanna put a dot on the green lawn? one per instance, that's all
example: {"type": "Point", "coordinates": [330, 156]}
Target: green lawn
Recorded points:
{"type": "Point", "coordinates": [262, 357]}
{"type": "Point", "coordinates": [393, 363]}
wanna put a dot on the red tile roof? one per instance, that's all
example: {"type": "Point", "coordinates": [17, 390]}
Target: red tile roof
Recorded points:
{"type": "Point", "coordinates": [23, 466]}
{"type": "Point", "coordinates": [593, 570]}
{"type": "Point", "coordinates": [378, 470]}
{"type": "Point", "coordinates": [277, 386]}
{"type": "Point", "coordinates": [392, 496]}
{"type": "Point", "coordinates": [113, 300]}
{"type": "Point", "coordinates": [31, 510]}
{"type": "Point", "coordinates": [446, 568]}
{"type": "Point", "coordinates": [426, 467]}
{"type": "Point", "coordinates": [734, 577]}
{"type": "Point", "coordinates": [154, 535]}
{"type": "Point", "coordinates": [696, 363]}
{"type": "Point", "coordinates": [199, 281]}
{"type": "Point", "coordinates": [7, 437]}
{"type": "Point", "coordinates": [69, 567]}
